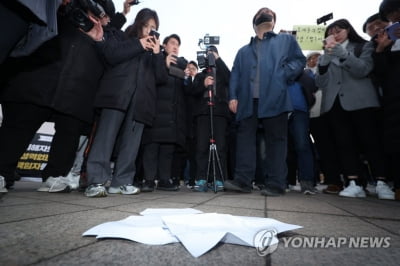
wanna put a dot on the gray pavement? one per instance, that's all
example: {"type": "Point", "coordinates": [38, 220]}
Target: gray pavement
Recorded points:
{"type": "Point", "coordinates": [39, 228]}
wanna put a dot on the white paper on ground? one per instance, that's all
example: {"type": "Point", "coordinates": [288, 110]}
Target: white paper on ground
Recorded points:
{"type": "Point", "coordinates": [143, 229]}
{"type": "Point", "coordinates": [199, 232]}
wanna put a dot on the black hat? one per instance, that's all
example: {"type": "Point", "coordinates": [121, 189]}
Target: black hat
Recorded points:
{"type": "Point", "coordinates": [108, 7]}
{"type": "Point", "coordinates": [388, 6]}
{"type": "Point", "coordinates": [369, 20]}
{"type": "Point", "coordinates": [213, 48]}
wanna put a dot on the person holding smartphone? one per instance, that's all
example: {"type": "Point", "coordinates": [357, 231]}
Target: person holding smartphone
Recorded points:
{"type": "Point", "coordinates": [387, 68]}
{"type": "Point", "coordinates": [126, 102]}
{"type": "Point", "coordinates": [350, 103]}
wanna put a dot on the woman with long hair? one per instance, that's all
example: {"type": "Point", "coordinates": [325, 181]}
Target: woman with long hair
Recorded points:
{"type": "Point", "coordinates": [350, 103]}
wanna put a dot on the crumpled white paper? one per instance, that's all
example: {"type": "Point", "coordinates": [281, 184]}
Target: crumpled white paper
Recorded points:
{"type": "Point", "coordinates": [198, 232]}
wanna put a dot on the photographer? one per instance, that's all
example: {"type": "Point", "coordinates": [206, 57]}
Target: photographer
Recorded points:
{"type": "Point", "coordinates": [221, 116]}
{"type": "Point", "coordinates": [56, 83]}
{"type": "Point", "coordinates": [126, 102]}
{"type": "Point", "coordinates": [168, 130]}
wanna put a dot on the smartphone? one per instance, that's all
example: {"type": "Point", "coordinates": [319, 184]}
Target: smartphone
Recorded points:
{"type": "Point", "coordinates": [154, 33]}
{"type": "Point", "coordinates": [391, 31]}
{"type": "Point", "coordinates": [134, 2]}
{"type": "Point", "coordinates": [329, 39]}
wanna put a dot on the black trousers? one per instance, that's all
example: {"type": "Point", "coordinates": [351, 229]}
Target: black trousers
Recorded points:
{"type": "Point", "coordinates": [327, 155]}
{"type": "Point", "coordinates": [356, 133]}
{"type": "Point", "coordinates": [203, 135]}
{"type": "Point", "coordinates": [157, 161]}
{"type": "Point", "coordinates": [20, 123]}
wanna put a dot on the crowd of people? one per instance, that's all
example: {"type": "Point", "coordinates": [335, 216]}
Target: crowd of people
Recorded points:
{"type": "Point", "coordinates": [154, 121]}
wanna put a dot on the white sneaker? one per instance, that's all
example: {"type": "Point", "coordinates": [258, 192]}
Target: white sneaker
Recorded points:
{"type": "Point", "coordinates": [72, 180]}
{"type": "Point", "coordinates": [47, 184]}
{"type": "Point", "coordinates": [60, 185]}
{"type": "Point", "coordinates": [353, 191]}
{"type": "Point", "coordinates": [124, 189]}
{"type": "Point", "coordinates": [3, 185]}
{"type": "Point", "coordinates": [384, 191]}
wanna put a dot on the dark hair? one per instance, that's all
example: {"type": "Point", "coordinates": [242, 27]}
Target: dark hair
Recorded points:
{"type": "Point", "coordinates": [369, 20]}
{"type": "Point", "coordinates": [144, 15]}
{"type": "Point", "coordinates": [172, 36]}
{"type": "Point", "coordinates": [388, 6]}
{"type": "Point", "coordinates": [193, 63]}
{"type": "Point", "coordinates": [345, 24]}
{"type": "Point", "coordinates": [262, 10]}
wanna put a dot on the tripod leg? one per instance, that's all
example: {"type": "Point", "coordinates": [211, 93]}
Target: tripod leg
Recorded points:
{"type": "Point", "coordinates": [213, 150]}
{"type": "Point", "coordinates": [209, 163]}
{"type": "Point", "coordinates": [219, 165]}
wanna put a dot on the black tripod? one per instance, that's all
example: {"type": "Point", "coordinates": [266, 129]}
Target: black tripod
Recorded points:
{"type": "Point", "coordinates": [213, 157]}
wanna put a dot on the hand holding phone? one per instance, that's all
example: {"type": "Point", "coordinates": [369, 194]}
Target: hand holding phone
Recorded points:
{"type": "Point", "coordinates": [134, 2]}
{"type": "Point", "coordinates": [393, 31]}
{"type": "Point", "coordinates": [329, 41]}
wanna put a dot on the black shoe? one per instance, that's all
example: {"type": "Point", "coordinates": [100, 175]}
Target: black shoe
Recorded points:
{"type": "Point", "coordinates": [167, 185]}
{"type": "Point", "coordinates": [272, 192]}
{"type": "Point", "coordinates": [236, 186]}
{"type": "Point", "coordinates": [147, 186]}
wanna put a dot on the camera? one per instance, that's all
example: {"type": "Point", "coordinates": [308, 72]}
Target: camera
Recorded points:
{"type": "Point", "coordinates": [80, 19]}
{"type": "Point", "coordinates": [324, 19]}
{"type": "Point", "coordinates": [77, 10]}
{"type": "Point", "coordinates": [211, 40]}
{"type": "Point", "coordinates": [205, 58]}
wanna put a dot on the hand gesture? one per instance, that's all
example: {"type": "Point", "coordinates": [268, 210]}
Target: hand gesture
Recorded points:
{"type": "Point", "coordinates": [96, 33]}
{"type": "Point", "coordinates": [170, 59]}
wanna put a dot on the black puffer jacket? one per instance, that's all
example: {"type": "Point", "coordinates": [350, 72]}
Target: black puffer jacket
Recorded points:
{"type": "Point", "coordinates": [170, 121]}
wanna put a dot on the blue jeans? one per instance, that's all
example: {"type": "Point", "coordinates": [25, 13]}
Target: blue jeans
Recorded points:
{"type": "Point", "coordinates": [299, 122]}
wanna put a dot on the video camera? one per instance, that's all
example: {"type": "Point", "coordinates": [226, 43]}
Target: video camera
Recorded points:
{"type": "Point", "coordinates": [324, 19]}
{"type": "Point", "coordinates": [205, 58]}
{"type": "Point", "coordinates": [77, 12]}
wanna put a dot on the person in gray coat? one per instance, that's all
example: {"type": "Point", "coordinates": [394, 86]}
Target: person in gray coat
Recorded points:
{"type": "Point", "coordinates": [350, 102]}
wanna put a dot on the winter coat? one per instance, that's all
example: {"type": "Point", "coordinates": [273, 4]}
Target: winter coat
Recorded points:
{"type": "Point", "coordinates": [348, 79]}
{"type": "Point", "coordinates": [169, 124]}
{"type": "Point", "coordinates": [281, 61]}
{"type": "Point", "coordinates": [200, 92]}
{"type": "Point", "coordinates": [62, 74]}
{"type": "Point", "coordinates": [387, 70]}
{"type": "Point", "coordinates": [132, 73]}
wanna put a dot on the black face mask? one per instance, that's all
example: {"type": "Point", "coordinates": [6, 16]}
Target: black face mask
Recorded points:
{"type": "Point", "coordinates": [264, 17]}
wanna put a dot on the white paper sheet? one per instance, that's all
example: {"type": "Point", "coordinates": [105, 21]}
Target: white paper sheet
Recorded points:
{"type": "Point", "coordinates": [199, 232]}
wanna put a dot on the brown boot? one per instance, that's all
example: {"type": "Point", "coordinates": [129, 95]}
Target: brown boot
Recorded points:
{"type": "Point", "coordinates": [397, 194]}
{"type": "Point", "coordinates": [332, 189]}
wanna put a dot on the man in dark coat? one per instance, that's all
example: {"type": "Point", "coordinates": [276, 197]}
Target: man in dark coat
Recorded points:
{"type": "Point", "coordinates": [168, 129]}
{"type": "Point", "coordinates": [221, 117]}
{"type": "Point", "coordinates": [57, 83]}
